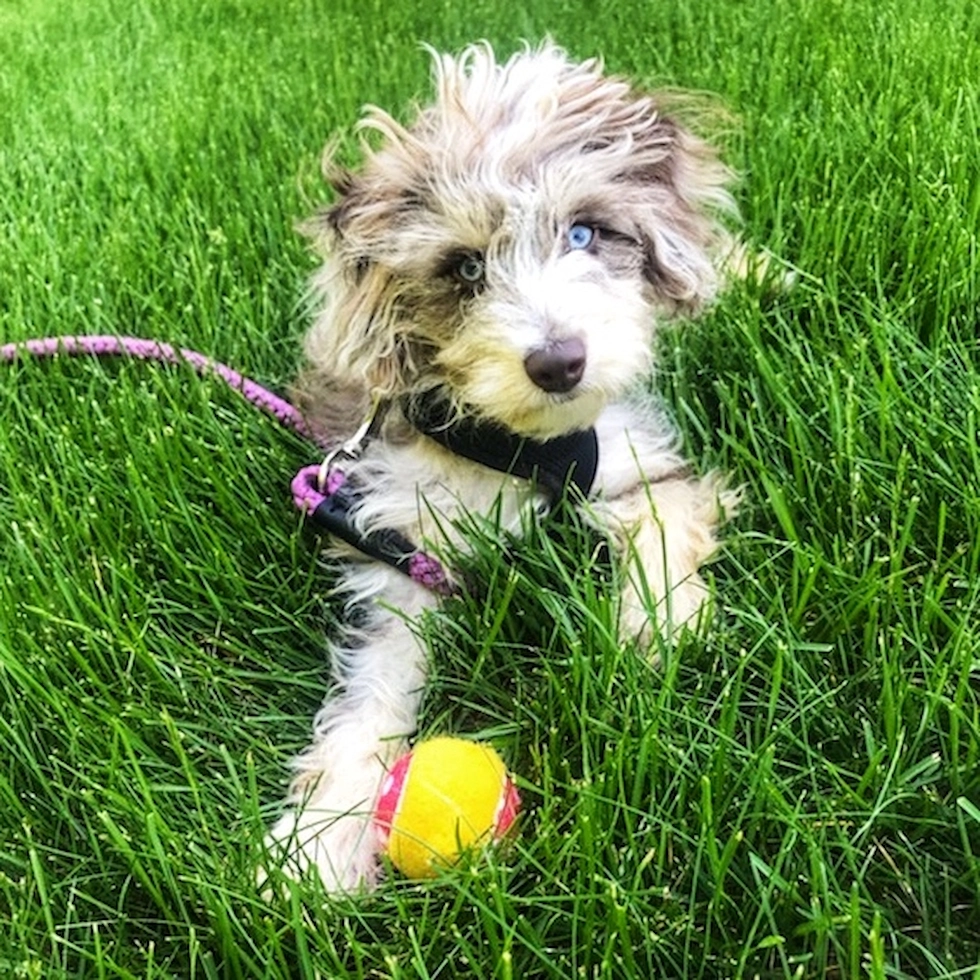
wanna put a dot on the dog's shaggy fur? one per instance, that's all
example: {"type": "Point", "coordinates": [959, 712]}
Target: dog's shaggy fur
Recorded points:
{"type": "Point", "coordinates": [516, 246]}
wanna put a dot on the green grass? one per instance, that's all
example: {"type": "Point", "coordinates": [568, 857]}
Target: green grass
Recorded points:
{"type": "Point", "coordinates": [796, 793]}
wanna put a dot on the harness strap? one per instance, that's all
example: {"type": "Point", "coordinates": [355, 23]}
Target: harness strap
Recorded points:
{"type": "Point", "coordinates": [331, 506]}
{"type": "Point", "coordinates": [556, 465]}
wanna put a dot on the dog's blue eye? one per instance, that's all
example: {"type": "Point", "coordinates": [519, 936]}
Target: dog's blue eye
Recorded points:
{"type": "Point", "coordinates": [580, 236]}
{"type": "Point", "coordinates": [471, 269]}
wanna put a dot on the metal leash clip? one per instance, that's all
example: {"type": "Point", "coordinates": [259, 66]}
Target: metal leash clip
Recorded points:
{"type": "Point", "coordinates": [353, 447]}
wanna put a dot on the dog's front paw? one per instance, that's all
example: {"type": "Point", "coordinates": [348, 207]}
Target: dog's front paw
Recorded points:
{"type": "Point", "coordinates": [341, 848]}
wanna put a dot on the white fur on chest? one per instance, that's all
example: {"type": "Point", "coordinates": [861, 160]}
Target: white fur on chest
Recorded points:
{"type": "Point", "coordinates": [424, 490]}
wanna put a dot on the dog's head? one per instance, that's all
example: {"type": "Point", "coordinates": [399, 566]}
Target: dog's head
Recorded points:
{"type": "Point", "coordinates": [518, 242]}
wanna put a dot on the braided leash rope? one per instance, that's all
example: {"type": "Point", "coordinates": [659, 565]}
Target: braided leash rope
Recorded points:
{"type": "Point", "coordinates": [153, 350]}
{"type": "Point", "coordinates": [315, 493]}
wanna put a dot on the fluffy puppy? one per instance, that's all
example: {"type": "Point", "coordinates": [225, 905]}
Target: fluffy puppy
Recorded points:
{"type": "Point", "coordinates": [512, 250]}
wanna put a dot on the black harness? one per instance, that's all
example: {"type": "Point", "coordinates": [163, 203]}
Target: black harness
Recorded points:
{"type": "Point", "coordinates": [562, 467]}
{"type": "Point", "coordinates": [554, 465]}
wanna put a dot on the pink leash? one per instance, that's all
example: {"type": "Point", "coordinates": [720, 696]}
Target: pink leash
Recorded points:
{"type": "Point", "coordinates": [308, 494]}
{"type": "Point", "coordinates": [152, 350]}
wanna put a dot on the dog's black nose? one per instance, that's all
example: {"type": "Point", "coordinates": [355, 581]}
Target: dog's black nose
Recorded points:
{"type": "Point", "coordinates": [559, 367]}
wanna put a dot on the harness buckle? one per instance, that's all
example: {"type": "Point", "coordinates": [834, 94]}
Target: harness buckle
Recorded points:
{"type": "Point", "coordinates": [352, 448]}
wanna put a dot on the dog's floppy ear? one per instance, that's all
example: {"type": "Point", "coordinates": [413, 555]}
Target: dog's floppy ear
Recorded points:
{"type": "Point", "coordinates": [669, 181]}
{"type": "Point", "coordinates": [679, 192]}
{"type": "Point", "coordinates": [334, 218]}
{"type": "Point", "coordinates": [328, 228]}
{"type": "Point", "coordinates": [357, 332]}
{"type": "Point", "coordinates": [648, 165]}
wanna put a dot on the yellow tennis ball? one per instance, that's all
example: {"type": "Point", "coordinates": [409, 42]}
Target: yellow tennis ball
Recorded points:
{"type": "Point", "coordinates": [444, 797]}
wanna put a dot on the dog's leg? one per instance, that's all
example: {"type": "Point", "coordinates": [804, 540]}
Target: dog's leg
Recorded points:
{"type": "Point", "coordinates": [357, 733]}
{"type": "Point", "coordinates": [664, 532]}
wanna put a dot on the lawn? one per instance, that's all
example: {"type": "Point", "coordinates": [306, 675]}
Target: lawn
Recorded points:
{"type": "Point", "coordinates": [796, 792]}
